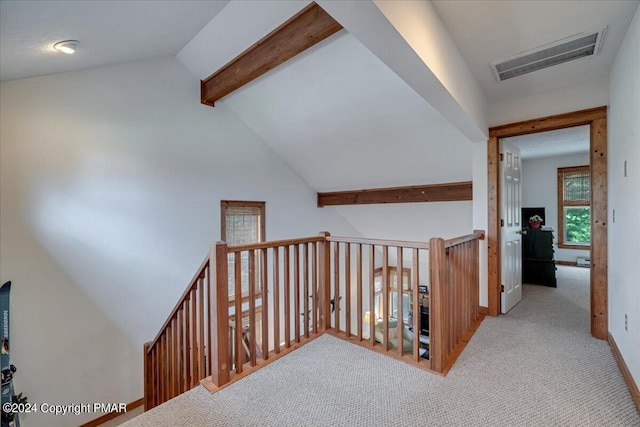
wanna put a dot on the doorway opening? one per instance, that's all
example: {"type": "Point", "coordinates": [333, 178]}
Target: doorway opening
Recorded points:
{"type": "Point", "coordinates": [596, 119]}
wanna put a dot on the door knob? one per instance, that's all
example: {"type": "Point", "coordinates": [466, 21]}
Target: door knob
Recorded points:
{"type": "Point", "coordinates": [523, 232]}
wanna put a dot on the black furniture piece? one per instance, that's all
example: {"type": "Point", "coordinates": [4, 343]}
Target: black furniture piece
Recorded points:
{"type": "Point", "coordinates": [538, 263]}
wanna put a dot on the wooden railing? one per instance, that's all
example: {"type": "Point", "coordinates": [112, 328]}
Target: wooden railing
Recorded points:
{"type": "Point", "coordinates": [176, 360]}
{"type": "Point", "coordinates": [454, 269]}
{"type": "Point", "coordinates": [249, 304]}
{"type": "Point", "coordinates": [362, 271]}
{"type": "Point", "coordinates": [280, 289]}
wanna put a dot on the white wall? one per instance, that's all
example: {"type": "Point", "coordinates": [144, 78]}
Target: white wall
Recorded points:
{"type": "Point", "coordinates": [410, 221]}
{"type": "Point", "coordinates": [572, 98]}
{"type": "Point", "coordinates": [540, 188]}
{"type": "Point", "coordinates": [111, 180]}
{"type": "Point", "coordinates": [624, 198]}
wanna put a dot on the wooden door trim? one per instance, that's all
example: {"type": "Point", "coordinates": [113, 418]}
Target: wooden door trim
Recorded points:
{"type": "Point", "coordinates": [596, 118]}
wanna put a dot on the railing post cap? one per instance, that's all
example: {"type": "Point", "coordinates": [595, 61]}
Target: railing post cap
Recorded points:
{"type": "Point", "coordinates": [481, 233]}
{"type": "Point", "coordinates": [325, 233]}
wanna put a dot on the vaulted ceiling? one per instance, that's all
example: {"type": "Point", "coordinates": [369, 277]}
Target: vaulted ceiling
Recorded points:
{"type": "Point", "coordinates": [345, 113]}
{"type": "Point", "coordinates": [486, 31]}
{"type": "Point", "coordinates": [110, 32]}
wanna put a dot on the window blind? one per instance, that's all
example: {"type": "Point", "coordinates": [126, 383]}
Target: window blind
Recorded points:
{"type": "Point", "coordinates": [242, 225]}
{"type": "Point", "coordinates": [577, 186]}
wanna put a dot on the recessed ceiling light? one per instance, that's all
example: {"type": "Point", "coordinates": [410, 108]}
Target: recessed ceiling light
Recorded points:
{"type": "Point", "coordinates": [68, 46]}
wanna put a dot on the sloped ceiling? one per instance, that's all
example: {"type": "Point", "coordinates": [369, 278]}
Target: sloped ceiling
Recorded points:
{"type": "Point", "coordinates": [487, 31]}
{"type": "Point", "coordinates": [110, 32]}
{"type": "Point", "coordinates": [342, 119]}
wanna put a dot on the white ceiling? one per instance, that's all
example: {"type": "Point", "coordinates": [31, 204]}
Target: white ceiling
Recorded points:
{"type": "Point", "coordinates": [487, 31]}
{"type": "Point", "coordinates": [110, 32]}
{"type": "Point", "coordinates": [342, 119]}
{"type": "Point", "coordinates": [553, 143]}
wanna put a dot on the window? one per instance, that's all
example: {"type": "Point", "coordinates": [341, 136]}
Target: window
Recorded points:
{"type": "Point", "coordinates": [574, 207]}
{"type": "Point", "coordinates": [407, 303]}
{"type": "Point", "coordinates": [242, 223]}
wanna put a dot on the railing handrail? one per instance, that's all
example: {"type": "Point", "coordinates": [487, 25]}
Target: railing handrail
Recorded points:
{"type": "Point", "coordinates": [273, 244]}
{"type": "Point", "coordinates": [379, 242]}
{"type": "Point", "coordinates": [476, 235]}
{"type": "Point", "coordinates": [183, 297]}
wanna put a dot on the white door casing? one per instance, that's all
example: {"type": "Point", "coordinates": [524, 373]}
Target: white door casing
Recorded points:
{"type": "Point", "coordinates": [510, 225]}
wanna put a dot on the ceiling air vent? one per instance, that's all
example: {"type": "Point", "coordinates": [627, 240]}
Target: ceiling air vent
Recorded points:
{"type": "Point", "coordinates": [551, 54]}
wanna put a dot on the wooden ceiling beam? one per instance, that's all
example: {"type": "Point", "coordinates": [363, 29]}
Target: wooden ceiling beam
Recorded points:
{"type": "Point", "coordinates": [449, 192]}
{"type": "Point", "coordinates": [308, 27]}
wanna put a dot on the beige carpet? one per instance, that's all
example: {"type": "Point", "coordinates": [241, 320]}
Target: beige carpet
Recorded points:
{"type": "Point", "coordinates": [536, 366]}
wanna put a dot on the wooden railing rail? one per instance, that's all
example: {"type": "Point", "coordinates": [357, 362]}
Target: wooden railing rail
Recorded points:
{"type": "Point", "coordinates": [247, 304]}
{"type": "Point", "coordinates": [476, 235]}
{"type": "Point", "coordinates": [454, 268]}
{"type": "Point", "coordinates": [380, 242]}
{"type": "Point", "coordinates": [273, 244]}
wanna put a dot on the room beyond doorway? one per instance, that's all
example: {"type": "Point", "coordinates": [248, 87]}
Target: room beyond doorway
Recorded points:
{"type": "Point", "coordinates": [596, 118]}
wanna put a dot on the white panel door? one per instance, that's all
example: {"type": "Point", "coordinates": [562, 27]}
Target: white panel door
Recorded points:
{"type": "Point", "coordinates": [510, 225]}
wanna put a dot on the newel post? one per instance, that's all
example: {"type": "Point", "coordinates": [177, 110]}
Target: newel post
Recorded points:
{"type": "Point", "coordinates": [149, 390]}
{"type": "Point", "coordinates": [437, 279]}
{"type": "Point", "coordinates": [325, 282]}
{"type": "Point", "coordinates": [218, 285]}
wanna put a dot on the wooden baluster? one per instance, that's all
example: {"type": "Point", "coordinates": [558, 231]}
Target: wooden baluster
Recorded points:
{"type": "Point", "coordinates": [305, 296]}
{"type": "Point", "coordinates": [451, 302]}
{"type": "Point", "coordinates": [165, 363]}
{"type": "Point", "coordinates": [325, 282]}
{"type": "Point", "coordinates": [437, 278]}
{"type": "Point", "coordinates": [287, 299]}
{"type": "Point", "coordinates": [167, 366]}
{"type": "Point", "coordinates": [156, 370]}
{"type": "Point", "coordinates": [169, 362]}
{"type": "Point", "coordinates": [372, 295]}
{"type": "Point", "coordinates": [252, 307]}
{"type": "Point", "coordinates": [417, 312]}
{"type": "Point", "coordinates": [400, 297]}
{"type": "Point", "coordinates": [163, 369]}
{"type": "Point", "coordinates": [194, 336]}
{"type": "Point", "coordinates": [218, 314]}
{"type": "Point", "coordinates": [385, 297]}
{"type": "Point", "coordinates": [336, 285]}
{"type": "Point", "coordinates": [296, 292]}
{"type": "Point", "coordinates": [237, 345]}
{"type": "Point", "coordinates": [159, 375]}
{"type": "Point", "coordinates": [451, 286]}
{"type": "Point", "coordinates": [347, 288]}
{"type": "Point", "coordinates": [451, 260]}
{"type": "Point", "coordinates": [187, 342]}
{"type": "Point", "coordinates": [466, 275]}
{"type": "Point", "coordinates": [475, 282]}
{"type": "Point", "coordinates": [148, 374]}
{"type": "Point", "coordinates": [359, 301]}
{"type": "Point", "coordinates": [175, 354]}
{"type": "Point", "coordinates": [265, 303]}
{"type": "Point", "coordinates": [172, 360]}
{"type": "Point", "coordinates": [276, 300]}
{"type": "Point", "coordinates": [180, 352]}
{"type": "Point", "coordinates": [157, 390]}
{"type": "Point", "coordinates": [467, 285]}
{"type": "Point", "coordinates": [315, 283]}
{"type": "Point", "coordinates": [201, 314]}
